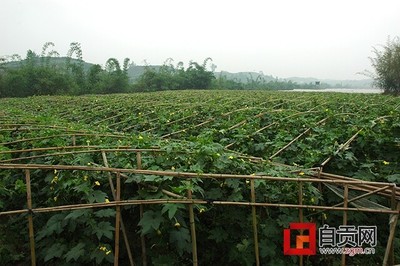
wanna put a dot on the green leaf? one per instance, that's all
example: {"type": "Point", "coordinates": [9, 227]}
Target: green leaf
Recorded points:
{"type": "Point", "coordinates": [75, 252]}
{"type": "Point", "coordinates": [218, 234]}
{"type": "Point", "coordinates": [171, 208]}
{"type": "Point", "coordinates": [55, 251]}
{"type": "Point", "coordinates": [76, 214]}
{"type": "Point", "coordinates": [104, 229]}
{"type": "Point", "coordinates": [395, 178]}
{"type": "Point", "coordinates": [134, 178]}
{"type": "Point", "coordinates": [105, 213]}
{"type": "Point", "coordinates": [97, 196]}
{"type": "Point", "coordinates": [151, 178]}
{"type": "Point", "coordinates": [54, 225]}
{"type": "Point", "coordinates": [181, 239]}
{"type": "Point", "coordinates": [150, 221]}
{"type": "Point", "coordinates": [242, 247]}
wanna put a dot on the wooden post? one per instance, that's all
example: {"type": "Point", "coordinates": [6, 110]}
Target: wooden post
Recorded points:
{"type": "Point", "coordinates": [126, 240]}
{"type": "Point", "coordinates": [345, 203]}
{"type": "Point", "coordinates": [393, 205]}
{"type": "Point", "coordinates": [139, 160]}
{"type": "Point", "coordinates": [73, 140]}
{"type": "Point", "coordinates": [192, 230]}
{"type": "Point", "coordinates": [117, 220]}
{"type": "Point", "coordinates": [254, 216]}
{"type": "Point", "coordinates": [301, 215]}
{"type": "Point", "coordinates": [141, 209]}
{"type": "Point", "coordinates": [393, 223]}
{"type": "Point", "coordinates": [30, 218]}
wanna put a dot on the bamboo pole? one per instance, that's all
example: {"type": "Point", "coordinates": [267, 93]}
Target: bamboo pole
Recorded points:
{"type": "Point", "coordinates": [254, 218]}
{"type": "Point", "coordinates": [192, 175]}
{"type": "Point", "coordinates": [141, 210]}
{"type": "Point", "coordinates": [345, 203]}
{"type": "Point", "coordinates": [192, 230]}
{"type": "Point", "coordinates": [30, 218]}
{"type": "Point", "coordinates": [126, 240]}
{"type": "Point", "coordinates": [170, 123]}
{"type": "Point", "coordinates": [296, 138]}
{"type": "Point", "coordinates": [357, 198]}
{"type": "Point", "coordinates": [72, 153]}
{"type": "Point", "coordinates": [393, 224]}
{"type": "Point", "coordinates": [343, 146]}
{"type": "Point", "coordinates": [117, 220]}
{"type": "Point", "coordinates": [301, 215]}
{"type": "Point", "coordinates": [393, 205]}
{"type": "Point", "coordinates": [363, 187]}
{"type": "Point", "coordinates": [188, 201]}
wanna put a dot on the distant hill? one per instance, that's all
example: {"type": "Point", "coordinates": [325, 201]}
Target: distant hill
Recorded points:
{"type": "Point", "coordinates": [243, 77]}
{"type": "Point", "coordinates": [363, 83]}
{"type": "Point", "coordinates": [135, 71]}
{"type": "Point", "coordinates": [53, 61]}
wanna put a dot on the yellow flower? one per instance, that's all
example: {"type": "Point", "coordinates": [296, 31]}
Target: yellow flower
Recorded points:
{"type": "Point", "coordinates": [385, 163]}
{"type": "Point", "coordinates": [107, 200]}
{"type": "Point", "coordinates": [55, 179]}
{"type": "Point", "coordinates": [230, 157]}
{"type": "Point", "coordinates": [85, 177]}
{"type": "Point", "coordinates": [108, 252]}
{"type": "Point", "coordinates": [97, 183]}
{"type": "Point", "coordinates": [325, 216]}
{"type": "Point", "coordinates": [140, 137]}
{"type": "Point", "coordinates": [172, 168]}
{"type": "Point", "coordinates": [55, 198]}
{"type": "Point", "coordinates": [312, 200]}
{"type": "Point", "coordinates": [301, 173]}
{"type": "Point", "coordinates": [202, 210]}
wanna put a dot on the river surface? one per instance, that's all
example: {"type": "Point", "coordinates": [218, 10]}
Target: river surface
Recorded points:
{"type": "Point", "coordinates": [345, 90]}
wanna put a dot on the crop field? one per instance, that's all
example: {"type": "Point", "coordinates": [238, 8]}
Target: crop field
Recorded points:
{"type": "Point", "coordinates": [180, 161]}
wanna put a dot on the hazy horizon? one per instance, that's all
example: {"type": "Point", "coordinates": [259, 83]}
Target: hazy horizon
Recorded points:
{"type": "Point", "coordinates": [319, 39]}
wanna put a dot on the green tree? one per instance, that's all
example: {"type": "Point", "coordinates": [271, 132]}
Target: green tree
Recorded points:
{"type": "Point", "coordinates": [76, 67]}
{"type": "Point", "coordinates": [94, 79]}
{"type": "Point", "coordinates": [386, 64]}
{"type": "Point", "coordinates": [116, 79]}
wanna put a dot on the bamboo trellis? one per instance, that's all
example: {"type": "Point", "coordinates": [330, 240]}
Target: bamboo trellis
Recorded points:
{"type": "Point", "coordinates": [388, 190]}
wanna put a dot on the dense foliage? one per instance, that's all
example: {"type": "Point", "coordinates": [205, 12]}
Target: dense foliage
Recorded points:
{"type": "Point", "coordinates": [200, 132]}
{"type": "Point", "coordinates": [386, 64]}
{"type": "Point", "coordinates": [169, 77]}
{"type": "Point", "coordinates": [50, 74]}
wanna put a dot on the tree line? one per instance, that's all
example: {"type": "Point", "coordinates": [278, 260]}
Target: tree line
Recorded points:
{"type": "Point", "coordinates": [49, 74]}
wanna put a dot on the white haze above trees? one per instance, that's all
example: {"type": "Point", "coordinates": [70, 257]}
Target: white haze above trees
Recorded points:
{"type": "Point", "coordinates": [325, 40]}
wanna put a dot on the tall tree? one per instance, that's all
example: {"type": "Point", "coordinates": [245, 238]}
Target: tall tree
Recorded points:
{"type": "Point", "coordinates": [386, 64]}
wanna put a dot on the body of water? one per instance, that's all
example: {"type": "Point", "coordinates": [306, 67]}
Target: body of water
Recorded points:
{"type": "Point", "coordinates": [344, 90]}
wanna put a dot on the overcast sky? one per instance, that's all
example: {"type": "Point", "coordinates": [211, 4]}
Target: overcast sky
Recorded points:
{"type": "Point", "coordinates": [283, 38]}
